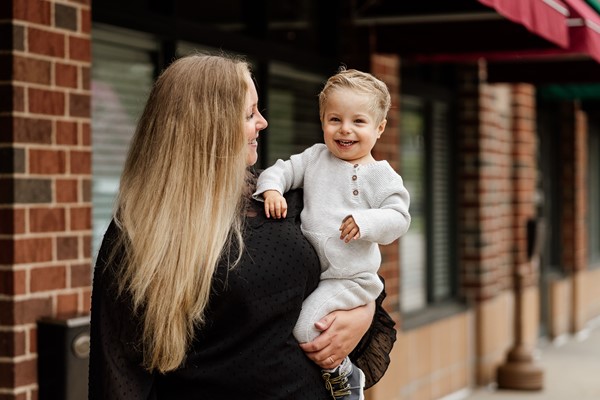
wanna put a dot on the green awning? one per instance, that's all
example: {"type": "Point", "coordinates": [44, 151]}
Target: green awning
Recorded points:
{"type": "Point", "coordinates": [588, 91]}
{"type": "Point", "coordinates": [595, 4]}
{"type": "Point", "coordinates": [570, 92]}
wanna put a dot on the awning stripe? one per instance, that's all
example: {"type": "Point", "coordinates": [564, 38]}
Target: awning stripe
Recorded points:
{"type": "Point", "coordinates": [593, 26]}
{"type": "Point", "coordinates": [560, 7]}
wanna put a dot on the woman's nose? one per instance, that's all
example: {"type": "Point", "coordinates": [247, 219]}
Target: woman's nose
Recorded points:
{"type": "Point", "coordinates": [262, 123]}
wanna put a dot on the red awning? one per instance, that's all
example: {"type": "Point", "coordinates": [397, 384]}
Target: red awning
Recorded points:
{"type": "Point", "coordinates": [584, 28]}
{"type": "Point", "coordinates": [546, 18]}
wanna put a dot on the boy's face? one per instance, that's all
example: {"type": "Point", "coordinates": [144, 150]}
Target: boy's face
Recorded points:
{"type": "Point", "coordinates": [349, 127]}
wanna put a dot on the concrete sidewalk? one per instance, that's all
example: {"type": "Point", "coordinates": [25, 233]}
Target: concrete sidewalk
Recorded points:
{"type": "Point", "coordinates": [571, 371]}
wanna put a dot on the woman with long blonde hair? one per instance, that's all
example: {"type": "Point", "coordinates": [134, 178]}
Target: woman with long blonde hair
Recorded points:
{"type": "Point", "coordinates": [195, 292]}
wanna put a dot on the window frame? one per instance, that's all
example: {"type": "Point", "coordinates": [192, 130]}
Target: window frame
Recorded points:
{"type": "Point", "coordinates": [435, 309]}
{"type": "Point", "coordinates": [276, 71]}
{"type": "Point", "coordinates": [593, 188]}
{"type": "Point", "coordinates": [549, 137]}
{"type": "Point", "coordinates": [162, 51]}
{"type": "Point", "coordinates": [123, 41]}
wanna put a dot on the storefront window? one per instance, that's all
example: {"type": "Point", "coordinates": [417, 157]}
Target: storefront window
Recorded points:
{"type": "Point", "coordinates": [426, 256]}
{"type": "Point", "coordinates": [293, 112]}
{"type": "Point", "coordinates": [123, 72]}
{"type": "Point", "coordinates": [413, 243]}
{"type": "Point", "coordinates": [594, 193]}
{"type": "Point", "coordinates": [122, 76]}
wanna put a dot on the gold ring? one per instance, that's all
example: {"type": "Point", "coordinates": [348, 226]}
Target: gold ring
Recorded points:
{"type": "Point", "coordinates": [330, 360]}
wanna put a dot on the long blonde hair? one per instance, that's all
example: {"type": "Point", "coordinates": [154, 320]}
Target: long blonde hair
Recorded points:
{"type": "Point", "coordinates": [180, 199]}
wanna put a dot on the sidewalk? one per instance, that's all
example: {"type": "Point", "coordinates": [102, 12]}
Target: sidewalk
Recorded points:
{"type": "Point", "coordinates": [571, 371]}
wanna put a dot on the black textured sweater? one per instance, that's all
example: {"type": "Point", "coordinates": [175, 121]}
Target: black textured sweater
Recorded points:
{"type": "Point", "coordinates": [246, 350]}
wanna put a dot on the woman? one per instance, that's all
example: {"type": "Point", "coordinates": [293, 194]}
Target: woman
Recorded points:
{"type": "Point", "coordinates": [195, 292]}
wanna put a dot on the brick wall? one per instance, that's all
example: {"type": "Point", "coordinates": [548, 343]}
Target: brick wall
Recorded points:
{"type": "Point", "coordinates": [387, 68]}
{"type": "Point", "coordinates": [524, 165]}
{"type": "Point", "coordinates": [497, 181]}
{"type": "Point", "coordinates": [484, 185]}
{"type": "Point", "coordinates": [574, 187]}
{"type": "Point", "coordinates": [573, 182]}
{"type": "Point", "coordinates": [45, 172]}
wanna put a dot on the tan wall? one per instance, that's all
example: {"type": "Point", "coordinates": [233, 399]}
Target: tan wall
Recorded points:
{"type": "Point", "coordinates": [559, 308]}
{"type": "Point", "coordinates": [574, 302]}
{"type": "Point", "coordinates": [591, 299]}
{"type": "Point", "coordinates": [494, 328]}
{"type": "Point", "coordinates": [430, 362]}
{"type": "Point", "coordinates": [531, 315]}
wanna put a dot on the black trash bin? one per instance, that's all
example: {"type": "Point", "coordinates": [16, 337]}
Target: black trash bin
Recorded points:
{"type": "Point", "coordinates": [63, 356]}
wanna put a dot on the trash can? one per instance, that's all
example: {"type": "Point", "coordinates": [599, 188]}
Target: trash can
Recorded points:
{"type": "Point", "coordinates": [63, 356]}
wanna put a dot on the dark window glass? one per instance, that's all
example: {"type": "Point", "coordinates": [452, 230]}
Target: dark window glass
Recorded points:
{"type": "Point", "coordinates": [426, 252]}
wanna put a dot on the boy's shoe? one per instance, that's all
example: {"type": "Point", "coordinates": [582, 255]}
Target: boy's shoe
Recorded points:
{"type": "Point", "coordinates": [345, 386]}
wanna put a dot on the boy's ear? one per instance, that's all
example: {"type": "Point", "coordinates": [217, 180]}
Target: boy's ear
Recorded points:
{"type": "Point", "coordinates": [381, 128]}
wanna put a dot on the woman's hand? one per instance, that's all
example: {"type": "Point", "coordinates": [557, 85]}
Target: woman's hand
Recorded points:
{"type": "Point", "coordinates": [341, 331]}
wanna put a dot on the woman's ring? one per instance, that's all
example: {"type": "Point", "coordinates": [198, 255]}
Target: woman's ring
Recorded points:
{"type": "Point", "coordinates": [330, 360]}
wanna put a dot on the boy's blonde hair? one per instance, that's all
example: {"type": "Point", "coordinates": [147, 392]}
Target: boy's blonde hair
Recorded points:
{"type": "Point", "coordinates": [362, 82]}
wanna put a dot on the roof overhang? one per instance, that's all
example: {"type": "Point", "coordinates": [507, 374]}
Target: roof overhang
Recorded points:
{"type": "Point", "coordinates": [498, 30]}
{"type": "Point", "coordinates": [448, 35]}
{"type": "Point", "coordinates": [545, 18]}
{"type": "Point", "coordinates": [437, 30]}
{"type": "Point", "coordinates": [551, 70]}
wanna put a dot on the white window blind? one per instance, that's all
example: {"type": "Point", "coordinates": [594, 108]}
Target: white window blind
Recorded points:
{"type": "Point", "coordinates": [426, 255]}
{"type": "Point", "coordinates": [412, 168]}
{"type": "Point", "coordinates": [594, 192]}
{"type": "Point", "coordinates": [293, 111]}
{"type": "Point", "coordinates": [121, 80]}
{"type": "Point", "coordinates": [440, 203]}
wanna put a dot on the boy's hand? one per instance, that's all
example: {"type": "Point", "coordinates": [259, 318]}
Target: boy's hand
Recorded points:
{"type": "Point", "coordinates": [350, 231]}
{"type": "Point", "coordinates": [275, 204]}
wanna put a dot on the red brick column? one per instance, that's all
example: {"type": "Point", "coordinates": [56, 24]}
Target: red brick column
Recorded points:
{"type": "Point", "coordinates": [485, 196]}
{"type": "Point", "coordinates": [574, 206]}
{"type": "Point", "coordinates": [524, 164]}
{"type": "Point", "coordinates": [574, 188]}
{"type": "Point", "coordinates": [45, 172]}
{"type": "Point", "coordinates": [387, 68]}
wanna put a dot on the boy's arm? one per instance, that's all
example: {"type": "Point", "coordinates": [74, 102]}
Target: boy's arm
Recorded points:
{"type": "Point", "coordinates": [284, 175]}
{"type": "Point", "coordinates": [275, 204]}
{"type": "Point", "coordinates": [387, 223]}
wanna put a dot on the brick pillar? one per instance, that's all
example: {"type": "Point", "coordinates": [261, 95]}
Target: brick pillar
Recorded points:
{"type": "Point", "coordinates": [519, 372]}
{"type": "Point", "coordinates": [485, 211]}
{"type": "Point", "coordinates": [524, 165]}
{"type": "Point", "coordinates": [573, 181]}
{"type": "Point", "coordinates": [387, 68]}
{"type": "Point", "coordinates": [574, 204]}
{"type": "Point", "coordinates": [524, 211]}
{"type": "Point", "coordinates": [45, 172]}
{"type": "Point", "coordinates": [484, 191]}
